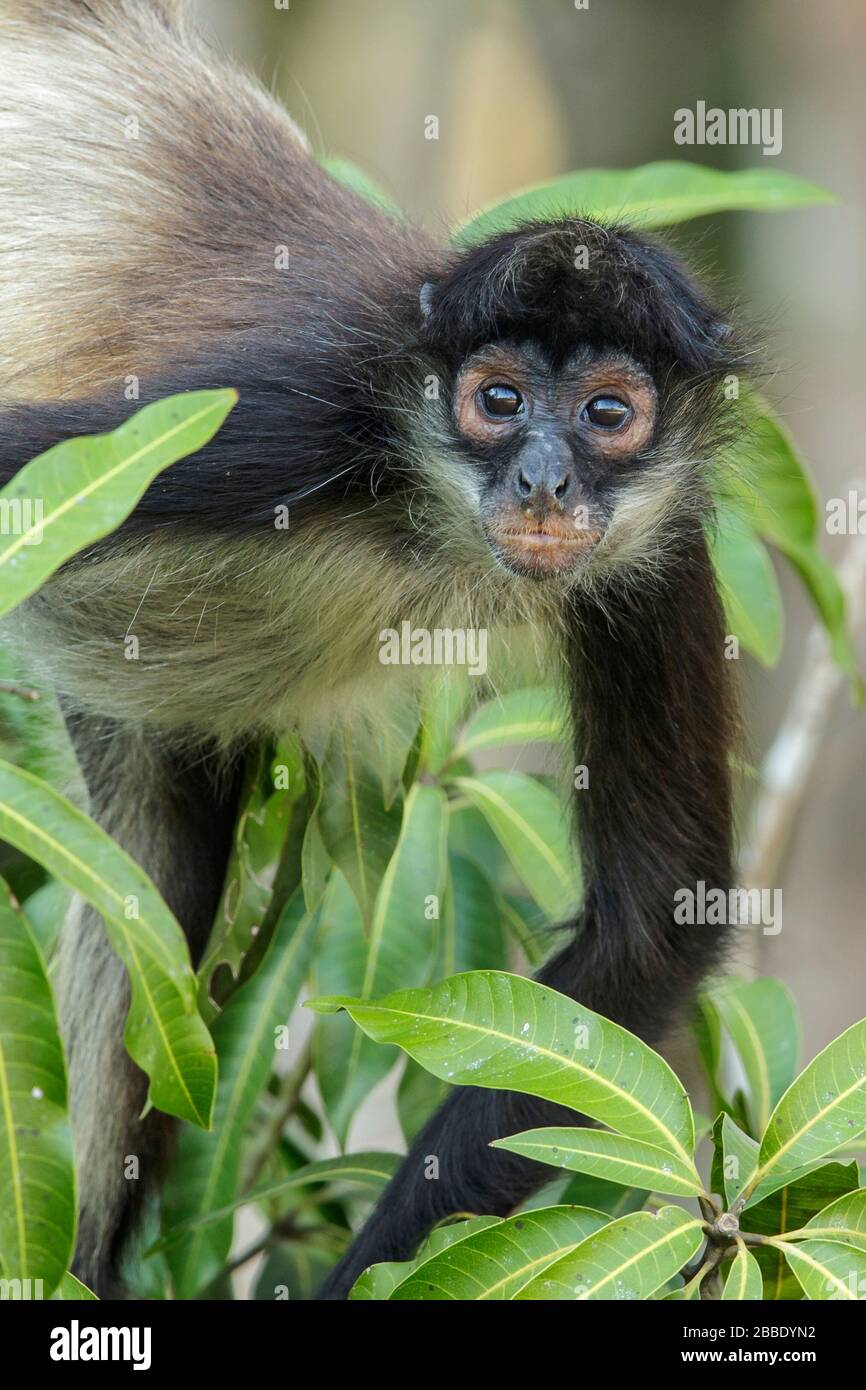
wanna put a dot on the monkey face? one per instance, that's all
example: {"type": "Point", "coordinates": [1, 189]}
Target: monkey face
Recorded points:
{"type": "Point", "coordinates": [552, 447]}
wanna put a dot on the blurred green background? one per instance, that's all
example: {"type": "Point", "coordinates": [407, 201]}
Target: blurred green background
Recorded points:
{"type": "Point", "coordinates": [528, 89]}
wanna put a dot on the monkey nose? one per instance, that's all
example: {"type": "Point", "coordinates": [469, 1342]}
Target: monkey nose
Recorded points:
{"type": "Point", "coordinates": [543, 480]}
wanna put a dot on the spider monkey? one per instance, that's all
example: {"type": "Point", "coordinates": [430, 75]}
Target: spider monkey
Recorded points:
{"type": "Point", "coordinates": [163, 221]}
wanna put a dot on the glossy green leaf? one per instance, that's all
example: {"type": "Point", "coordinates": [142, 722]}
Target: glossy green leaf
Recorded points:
{"type": "Point", "coordinates": [800, 1198]}
{"type": "Point", "coordinates": [84, 488]}
{"type": "Point", "coordinates": [604, 1155]}
{"type": "Point", "coordinates": [490, 1029]}
{"type": "Point", "coordinates": [72, 1290]}
{"type": "Point", "coordinates": [207, 1172]}
{"type": "Point", "coordinates": [586, 1191]}
{"type": "Point", "coordinates": [629, 1259]}
{"type": "Point", "coordinates": [380, 1280]}
{"type": "Point", "coordinates": [760, 1017]}
{"type": "Point", "coordinates": [496, 1263]}
{"type": "Point", "coordinates": [530, 824]}
{"type": "Point", "coordinates": [472, 933]}
{"type": "Point", "coordinates": [357, 1170]}
{"type": "Point", "coordinates": [164, 1033]}
{"type": "Point", "coordinates": [261, 827]}
{"type": "Point", "coordinates": [447, 699]}
{"type": "Point", "coordinates": [359, 831]}
{"type": "Point", "coordinates": [825, 1106]}
{"type": "Point", "coordinates": [827, 1271]}
{"type": "Point", "coordinates": [292, 1271]}
{"type": "Point", "coordinates": [347, 1064]}
{"type": "Point", "coordinates": [735, 1158]}
{"type": "Point", "coordinates": [652, 195]}
{"type": "Point", "coordinates": [844, 1219]}
{"type": "Point", "coordinates": [773, 492]}
{"type": "Point", "coordinates": [744, 1282]}
{"type": "Point", "coordinates": [521, 716]}
{"type": "Point", "coordinates": [400, 946]}
{"type": "Point", "coordinates": [748, 586]}
{"type": "Point", "coordinates": [37, 1181]}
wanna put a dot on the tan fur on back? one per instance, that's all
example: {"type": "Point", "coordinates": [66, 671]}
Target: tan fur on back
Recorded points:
{"type": "Point", "coordinates": [137, 180]}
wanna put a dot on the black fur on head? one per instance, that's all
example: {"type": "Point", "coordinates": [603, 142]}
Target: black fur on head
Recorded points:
{"type": "Point", "coordinates": [577, 282]}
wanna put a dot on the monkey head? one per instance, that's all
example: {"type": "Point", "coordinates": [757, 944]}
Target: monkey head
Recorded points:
{"type": "Point", "coordinates": [584, 396]}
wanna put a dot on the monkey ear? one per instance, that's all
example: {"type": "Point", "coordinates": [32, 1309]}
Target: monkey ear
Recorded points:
{"type": "Point", "coordinates": [425, 299]}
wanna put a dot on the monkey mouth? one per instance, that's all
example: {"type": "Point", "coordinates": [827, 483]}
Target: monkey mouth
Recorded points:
{"type": "Point", "coordinates": [542, 550]}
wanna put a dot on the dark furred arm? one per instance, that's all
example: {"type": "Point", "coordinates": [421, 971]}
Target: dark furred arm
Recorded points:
{"type": "Point", "coordinates": [654, 727]}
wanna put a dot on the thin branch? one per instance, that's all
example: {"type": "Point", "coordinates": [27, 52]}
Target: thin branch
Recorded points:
{"type": "Point", "coordinates": [791, 759]}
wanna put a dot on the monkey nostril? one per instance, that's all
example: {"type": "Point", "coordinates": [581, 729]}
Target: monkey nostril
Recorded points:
{"type": "Point", "coordinates": [524, 486]}
{"type": "Point", "coordinates": [561, 488]}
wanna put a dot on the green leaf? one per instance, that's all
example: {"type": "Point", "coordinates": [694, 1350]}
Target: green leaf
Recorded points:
{"type": "Point", "coordinates": [827, 1271]}
{"type": "Point", "coordinates": [45, 910]}
{"type": "Point", "coordinates": [472, 936]}
{"type": "Point", "coordinates": [686, 1293]}
{"type": "Point", "coordinates": [379, 1281]}
{"type": "Point", "coordinates": [744, 1283]}
{"type": "Point", "coordinates": [652, 195]}
{"type": "Point", "coordinates": [760, 1017]}
{"type": "Point", "coordinates": [792, 1205]}
{"type": "Point", "coordinates": [604, 1155]}
{"type": "Point", "coordinates": [359, 831]}
{"type": "Point", "coordinates": [600, 1195]}
{"type": "Point", "coordinates": [788, 1210]}
{"type": "Point", "coordinates": [400, 947]}
{"type": "Point", "coordinates": [446, 701]}
{"type": "Point", "coordinates": [37, 1180]}
{"type": "Point", "coordinates": [748, 586]}
{"type": "Point", "coordinates": [72, 1290]}
{"type": "Point", "coordinates": [164, 1033]}
{"type": "Point", "coordinates": [735, 1158]}
{"type": "Point", "coordinates": [86, 487]}
{"type": "Point", "coordinates": [496, 1030]}
{"type": "Point", "coordinates": [260, 829]}
{"type": "Point", "coordinates": [497, 1262]}
{"type": "Point", "coordinates": [825, 1106]}
{"type": "Point", "coordinates": [347, 1064]}
{"type": "Point", "coordinates": [772, 491]}
{"type": "Point", "coordinates": [629, 1259]}
{"type": "Point", "coordinates": [207, 1172]}
{"type": "Point", "coordinates": [844, 1219]}
{"type": "Point", "coordinates": [402, 934]}
{"type": "Point", "coordinates": [363, 1170]}
{"type": "Point", "coordinates": [529, 823]}
{"type": "Point", "coordinates": [351, 176]}
{"type": "Point", "coordinates": [522, 716]}
{"type": "Point", "coordinates": [292, 1271]}
{"type": "Point", "coordinates": [708, 1040]}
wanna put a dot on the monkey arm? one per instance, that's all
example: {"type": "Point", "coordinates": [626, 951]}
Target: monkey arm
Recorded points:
{"type": "Point", "coordinates": [653, 727]}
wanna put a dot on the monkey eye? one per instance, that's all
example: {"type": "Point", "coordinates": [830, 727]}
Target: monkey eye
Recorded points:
{"type": "Point", "coordinates": [499, 401]}
{"type": "Point", "coordinates": [606, 412]}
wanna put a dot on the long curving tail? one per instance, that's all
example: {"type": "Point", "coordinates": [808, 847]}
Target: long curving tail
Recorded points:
{"type": "Point", "coordinates": [654, 727]}
{"type": "Point", "coordinates": [173, 812]}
